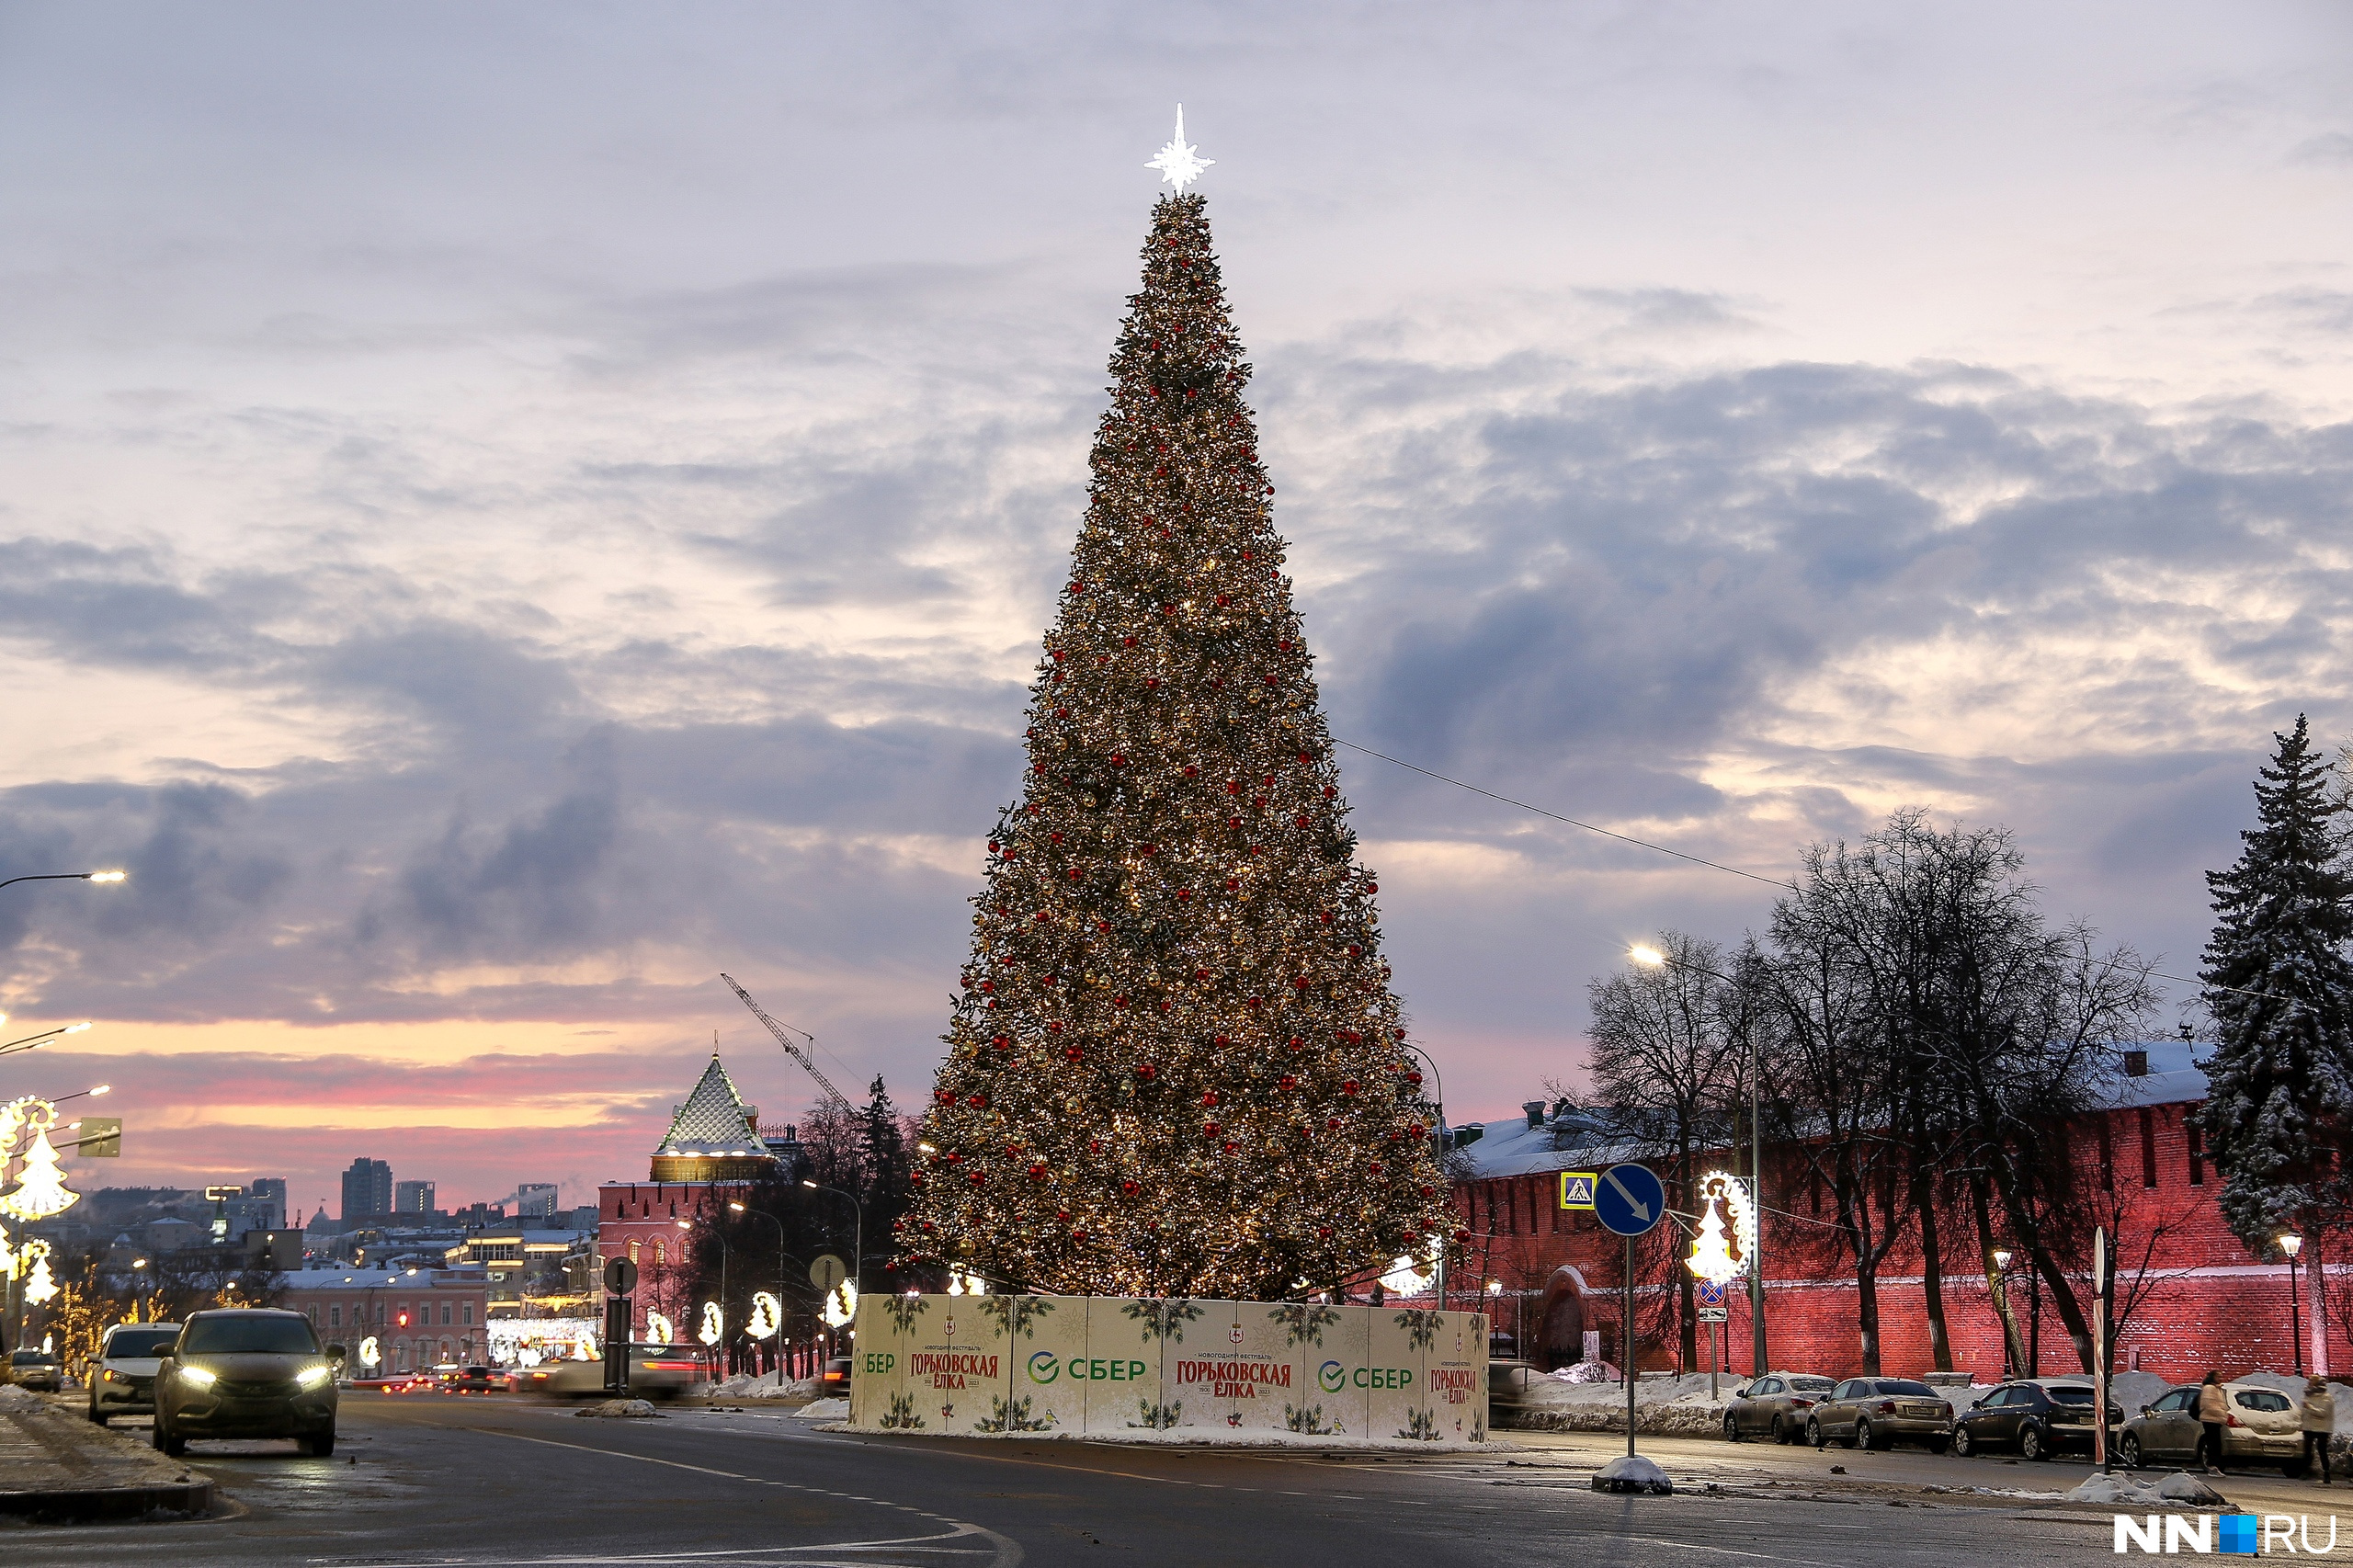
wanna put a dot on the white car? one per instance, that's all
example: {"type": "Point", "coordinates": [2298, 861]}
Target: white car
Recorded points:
{"type": "Point", "coordinates": [122, 1375]}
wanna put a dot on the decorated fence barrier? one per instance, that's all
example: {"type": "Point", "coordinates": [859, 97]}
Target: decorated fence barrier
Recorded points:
{"type": "Point", "coordinates": [1099, 1365]}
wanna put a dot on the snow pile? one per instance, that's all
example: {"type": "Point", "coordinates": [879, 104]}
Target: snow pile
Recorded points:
{"type": "Point", "coordinates": [767, 1385]}
{"type": "Point", "coordinates": [825, 1410]}
{"type": "Point", "coordinates": [2185, 1488]}
{"type": "Point", "coordinates": [1664, 1406]}
{"type": "Point", "coordinates": [22, 1400]}
{"type": "Point", "coordinates": [2118, 1491]}
{"type": "Point", "coordinates": [1586, 1372]}
{"type": "Point", "coordinates": [1633, 1473]}
{"type": "Point", "coordinates": [621, 1407]}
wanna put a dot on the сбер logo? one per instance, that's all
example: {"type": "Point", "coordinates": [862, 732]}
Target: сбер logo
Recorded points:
{"type": "Point", "coordinates": [1044, 1368]}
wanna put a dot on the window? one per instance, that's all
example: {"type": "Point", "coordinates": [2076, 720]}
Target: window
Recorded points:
{"type": "Point", "coordinates": [2178, 1400]}
{"type": "Point", "coordinates": [1995, 1400]}
{"type": "Point", "coordinates": [2148, 1149]}
{"type": "Point", "coordinates": [469, 1314]}
{"type": "Point", "coordinates": [1904, 1385]}
{"type": "Point", "coordinates": [2084, 1396]}
{"type": "Point", "coordinates": [260, 1335]}
{"type": "Point", "coordinates": [335, 1315]}
{"type": "Point", "coordinates": [2270, 1401]}
{"type": "Point", "coordinates": [445, 1309]}
{"type": "Point", "coordinates": [2197, 1153]}
{"type": "Point", "coordinates": [1771, 1385]}
{"type": "Point", "coordinates": [657, 1255]}
{"type": "Point", "coordinates": [632, 1252]}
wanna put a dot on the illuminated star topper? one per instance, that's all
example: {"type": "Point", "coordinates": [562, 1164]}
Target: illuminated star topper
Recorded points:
{"type": "Point", "coordinates": [1179, 163]}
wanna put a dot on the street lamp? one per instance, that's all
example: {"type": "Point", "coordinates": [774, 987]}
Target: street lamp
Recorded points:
{"type": "Point", "coordinates": [33, 1041]}
{"type": "Point", "coordinates": [780, 1298]}
{"type": "Point", "coordinates": [2291, 1243]}
{"type": "Point", "coordinates": [858, 1210]}
{"type": "Point", "coordinates": [713, 1232]}
{"type": "Point", "coordinates": [67, 877]}
{"type": "Point", "coordinates": [1437, 1082]}
{"type": "Point", "coordinates": [1652, 958]}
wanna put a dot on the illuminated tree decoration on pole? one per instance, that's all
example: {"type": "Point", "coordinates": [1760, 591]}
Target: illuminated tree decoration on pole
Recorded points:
{"type": "Point", "coordinates": [715, 1325]}
{"type": "Point", "coordinates": [1175, 1065]}
{"type": "Point", "coordinates": [1716, 1256]}
{"type": "Point", "coordinates": [40, 1184]}
{"type": "Point", "coordinates": [42, 1286]}
{"type": "Point", "coordinates": [768, 1315]}
{"type": "Point", "coordinates": [841, 1305]}
{"type": "Point", "coordinates": [659, 1330]}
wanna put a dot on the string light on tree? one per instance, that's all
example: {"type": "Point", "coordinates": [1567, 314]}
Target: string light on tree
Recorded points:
{"type": "Point", "coordinates": [1175, 1064]}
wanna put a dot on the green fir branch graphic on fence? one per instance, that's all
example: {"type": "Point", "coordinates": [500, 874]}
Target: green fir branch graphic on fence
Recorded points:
{"type": "Point", "coordinates": [1421, 1427]}
{"type": "Point", "coordinates": [1304, 1324]}
{"type": "Point", "coordinates": [1421, 1328]}
{"type": "Point", "coordinates": [1013, 1416]}
{"type": "Point", "coordinates": [1159, 1417]}
{"type": "Point", "coordinates": [900, 1416]}
{"type": "Point", "coordinates": [1308, 1419]}
{"type": "Point", "coordinates": [1165, 1319]}
{"type": "Point", "coordinates": [903, 1311]}
{"type": "Point", "coordinates": [1016, 1315]}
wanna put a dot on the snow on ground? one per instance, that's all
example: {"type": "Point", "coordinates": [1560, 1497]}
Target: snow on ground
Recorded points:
{"type": "Point", "coordinates": [825, 1410]}
{"type": "Point", "coordinates": [767, 1385]}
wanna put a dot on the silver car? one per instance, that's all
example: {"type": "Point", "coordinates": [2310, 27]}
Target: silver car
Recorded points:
{"type": "Point", "coordinates": [122, 1375]}
{"type": "Point", "coordinates": [2264, 1428]}
{"type": "Point", "coordinates": [1775, 1407]}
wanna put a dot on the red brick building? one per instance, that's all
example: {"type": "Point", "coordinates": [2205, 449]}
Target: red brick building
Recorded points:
{"type": "Point", "coordinates": [2203, 1301]}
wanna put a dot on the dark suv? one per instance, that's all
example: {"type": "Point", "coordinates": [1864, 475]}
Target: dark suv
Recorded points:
{"type": "Point", "coordinates": [2036, 1418]}
{"type": "Point", "coordinates": [246, 1372]}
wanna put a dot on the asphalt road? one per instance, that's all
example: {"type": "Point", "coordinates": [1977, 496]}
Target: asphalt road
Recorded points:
{"type": "Point", "coordinates": [495, 1482]}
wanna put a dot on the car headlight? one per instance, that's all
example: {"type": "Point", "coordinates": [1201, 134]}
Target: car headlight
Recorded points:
{"type": "Point", "coordinates": [198, 1378]}
{"type": "Point", "coordinates": [112, 1376]}
{"type": "Point", "coordinates": [313, 1377]}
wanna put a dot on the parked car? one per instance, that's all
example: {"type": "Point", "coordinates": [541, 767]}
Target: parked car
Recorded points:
{"type": "Point", "coordinates": [1878, 1413]}
{"type": "Point", "coordinates": [1774, 1407]}
{"type": "Point", "coordinates": [246, 1372]}
{"type": "Point", "coordinates": [2036, 1417]}
{"type": "Point", "coordinates": [2264, 1428]}
{"type": "Point", "coordinates": [122, 1374]}
{"type": "Point", "coordinates": [35, 1370]}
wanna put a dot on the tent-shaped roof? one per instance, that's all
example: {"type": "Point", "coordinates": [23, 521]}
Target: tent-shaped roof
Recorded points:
{"type": "Point", "coordinates": [714, 1120]}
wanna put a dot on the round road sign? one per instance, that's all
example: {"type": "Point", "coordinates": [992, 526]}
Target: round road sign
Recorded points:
{"type": "Point", "coordinates": [1629, 1199]}
{"type": "Point", "coordinates": [828, 1272]}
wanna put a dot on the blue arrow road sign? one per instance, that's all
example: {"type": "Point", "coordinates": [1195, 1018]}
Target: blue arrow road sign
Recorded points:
{"type": "Point", "coordinates": [1629, 1199]}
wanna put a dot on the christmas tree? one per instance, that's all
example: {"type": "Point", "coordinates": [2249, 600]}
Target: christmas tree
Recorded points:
{"type": "Point", "coordinates": [1176, 1066]}
{"type": "Point", "coordinates": [2278, 988]}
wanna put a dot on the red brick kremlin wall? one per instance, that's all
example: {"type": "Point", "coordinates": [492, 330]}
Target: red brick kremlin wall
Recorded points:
{"type": "Point", "coordinates": [2204, 1302]}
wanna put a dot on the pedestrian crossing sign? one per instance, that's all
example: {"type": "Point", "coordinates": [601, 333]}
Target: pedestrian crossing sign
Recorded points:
{"type": "Point", "coordinates": [1576, 1189]}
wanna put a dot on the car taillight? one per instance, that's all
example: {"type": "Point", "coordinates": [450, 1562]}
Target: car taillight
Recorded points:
{"type": "Point", "coordinates": [1803, 1403]}
{"type": "Point", "coordinates": [1887, 1407]}
{"type": "Point", "coordinates": [2232, 1421]}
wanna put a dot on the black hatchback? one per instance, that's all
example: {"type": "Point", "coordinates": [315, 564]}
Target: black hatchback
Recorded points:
{"type": "Point", "coordinates": [246, 1372]}
{"type": "Point", "coordinates": [2038, 1419]}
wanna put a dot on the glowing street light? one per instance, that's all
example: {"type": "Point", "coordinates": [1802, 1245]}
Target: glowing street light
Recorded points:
{"type": "Point", "coordinates": [34, 1042]}
{"type": "Point", "coordinates": [67, 877]}
{"type": "Point", "coordinates": [2291, 1243]}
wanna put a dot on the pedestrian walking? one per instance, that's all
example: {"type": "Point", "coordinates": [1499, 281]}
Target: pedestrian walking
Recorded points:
{"type": "Point", "coordinates": [2319, 1422]}
{"type": "Point", "coordinates": [2213, 1409]}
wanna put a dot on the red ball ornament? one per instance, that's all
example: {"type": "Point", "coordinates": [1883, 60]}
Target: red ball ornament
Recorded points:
{"type": "Point", "coordinates": [1428, 1190]}
{"type": "Point", "coordinates": [1147, 1072]}
{"type": "Point", "coordinates": [1210, 1098]}
{"type": "Point", "coordinates": [1209, 1130]}
{"type": "Point", "coordinates": [1349, 1087]}
{"type": "Point", "coordinates": [1376, 1167]}
{"type": "Point", "coordinates": [1288, 1082]}
{"type": "Point", "coordinates": [1095, 1145]}
{"type": "Point", "coordinates": [1131, 1189]}
{"type": "Point", "coordinates": [1072, 1053]}
{"type": "Point", "coordinates": [1324, 1232]}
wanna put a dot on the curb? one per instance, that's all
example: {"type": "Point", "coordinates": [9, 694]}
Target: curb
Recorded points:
{"type": "Point", "coordinates": [86, 1504]}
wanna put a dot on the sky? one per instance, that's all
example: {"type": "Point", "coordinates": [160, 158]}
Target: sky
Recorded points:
{"type": "Point", "coordinates": [508, 511]}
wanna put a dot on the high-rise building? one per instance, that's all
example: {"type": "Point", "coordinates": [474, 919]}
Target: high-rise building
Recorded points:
{"type": "Point", "coordinates": [367, 1189]}
{"type": "Point", "coordinates": [271, 1189]}
{"type": "Point", "coordinates": [535, 1200]}
{"type": "Point", "coordinates": [412, 1198]}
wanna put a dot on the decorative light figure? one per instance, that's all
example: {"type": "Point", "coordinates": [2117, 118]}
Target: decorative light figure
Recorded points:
{"type": "Point", "coordinates": [841, 1304]}
{"type": "Point", "coordinates": [42, 1286]}
{"type": "Point", "coordinates": [768, 1315]}
{"type": "Point", "coordinates": [962, 1282]}
{"type": "Point", "coordinates": [370, 1352]}
{"type": "Point", "coordinates": [1179, 163]}
{"type": "Point", "coordinates": [585, 1347]}
{"type": "Point", "coordinates": [714, 1325]}
{"type": "Point", "coordinates": [40, 1190]}
{"type": "Point", "coordinates": [660, 1330]}
{"type": "Point", "coordinates": [1717, 1256]}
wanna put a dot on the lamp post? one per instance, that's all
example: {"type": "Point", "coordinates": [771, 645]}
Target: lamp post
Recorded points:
{"type": "Point", "coordinates": [34, 1042]}
{"type": "Point", "coordinates": [780, 1297]}
{"type": "Point", "coordinates": [1651, 958]}
{"type": "Point", "coordinates": [2291, 1243]}
{"type": "Point", "coordinates": [66, 877]}
{"type": "Point", "coordinates": [858, 1211]}
{"type": "Point", "coordinates": [712, 1232]}
{"type": "Point", "coordinates": [1437, 1081]}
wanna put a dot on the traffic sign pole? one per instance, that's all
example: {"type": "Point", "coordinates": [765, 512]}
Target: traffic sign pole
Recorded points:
{"type": "Point", "coordinates": [1626, 1351]}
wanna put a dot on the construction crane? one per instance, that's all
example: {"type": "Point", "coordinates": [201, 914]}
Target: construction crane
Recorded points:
{"type": "Point", "coordinates": [784, 1034]}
